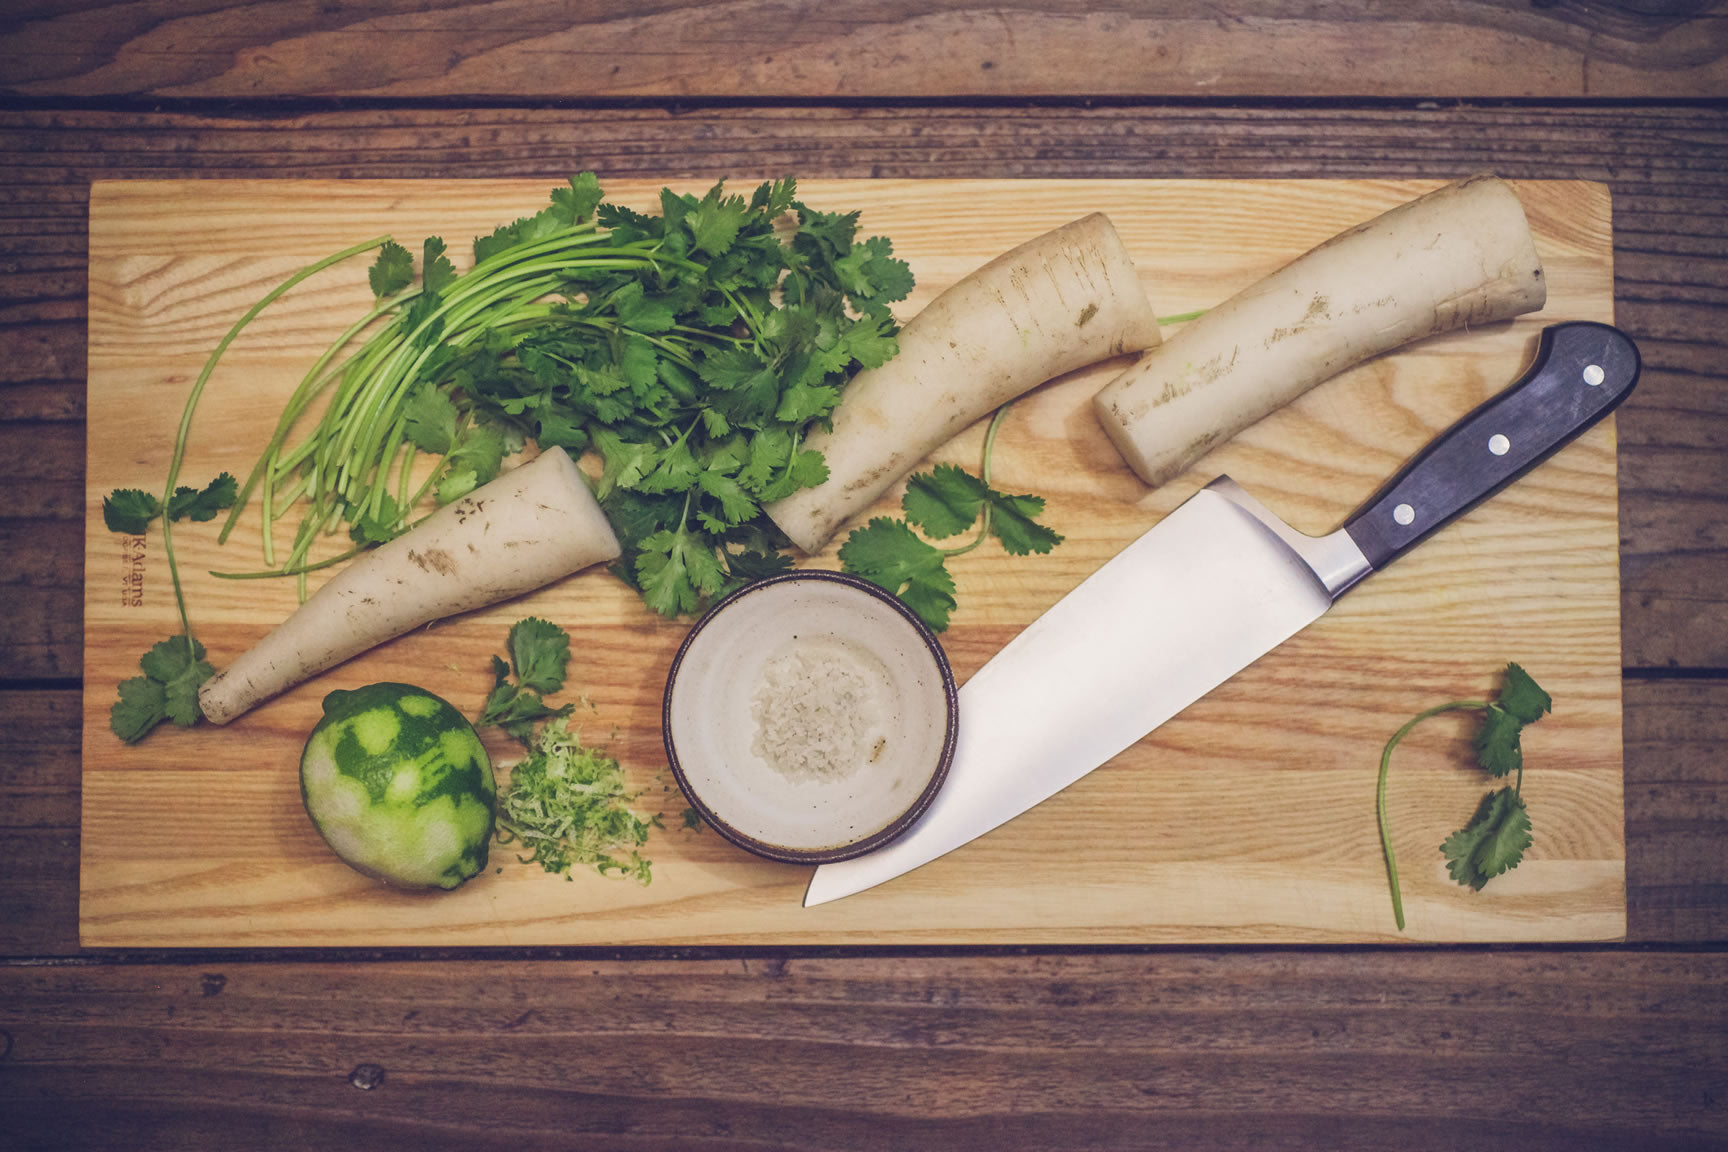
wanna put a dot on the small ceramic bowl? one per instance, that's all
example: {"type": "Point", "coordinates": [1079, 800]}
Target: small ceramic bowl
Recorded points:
{"type": "Point", "coordinates": [810, 717]}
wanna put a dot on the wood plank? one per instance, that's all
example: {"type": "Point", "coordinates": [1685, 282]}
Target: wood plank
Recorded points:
{"type": "Point", "coordinates": [756, 49]}
{"type": "Point", "coordinates": [39, 732]}
{"type": "Point", "coordinates": [1296, 734]}
{"type": "Point", "coordinates": [1408, 1050]}
{"type": "Point", "coordinates": [1677, 809]}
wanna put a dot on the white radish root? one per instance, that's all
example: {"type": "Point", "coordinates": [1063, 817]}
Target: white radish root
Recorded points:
{"type": "Point", "coordinates": [532, 525]}
{"type": "Point", "coordinates": [1058, 302]}
{"type": "Point", "coordinates": [1461, 255]}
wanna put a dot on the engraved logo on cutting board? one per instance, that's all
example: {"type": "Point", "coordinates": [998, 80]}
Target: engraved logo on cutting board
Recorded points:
{"type": "Point", "coordinates": [132, 571]}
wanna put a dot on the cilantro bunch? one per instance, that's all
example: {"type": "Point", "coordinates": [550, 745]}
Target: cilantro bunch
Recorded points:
{"type": "Point", "coordinates": [1497, 835]}
{"type": "Point", "coordinates": [690, 350]}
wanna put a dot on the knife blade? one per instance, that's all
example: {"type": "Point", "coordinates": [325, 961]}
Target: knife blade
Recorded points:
{"type": "Point", "coordinates": [1211, 588]}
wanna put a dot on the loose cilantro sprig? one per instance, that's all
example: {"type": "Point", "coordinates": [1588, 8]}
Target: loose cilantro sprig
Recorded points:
{"type": "Point", "coordinates": [567, 805]}
{"type": "Point", "coordinates": [174, 670]}
{"type": "Point", "coordinates": [1497, 835]}
{"type": "Point", "coordinates": [943, 503]}
{"type": "Point", "coordinates": [130, 510]}
{"type": "Point", "coordinates": [539, 656]}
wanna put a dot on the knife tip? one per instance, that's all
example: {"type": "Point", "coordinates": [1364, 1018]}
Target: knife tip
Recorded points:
{"type": "Point", "coordinates": [812, 896]}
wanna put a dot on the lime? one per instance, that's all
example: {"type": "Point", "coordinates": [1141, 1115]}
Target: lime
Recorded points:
{"type": "Point", "coordinates": [399, 785]}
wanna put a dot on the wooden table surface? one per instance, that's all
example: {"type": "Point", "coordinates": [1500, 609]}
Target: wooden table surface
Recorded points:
{"type": "Point", "coordinates": [1621, 1046]}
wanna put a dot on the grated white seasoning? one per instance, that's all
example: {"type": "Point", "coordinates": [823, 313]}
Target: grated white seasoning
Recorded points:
{"type": "Point", "coordinates": [818, 710]}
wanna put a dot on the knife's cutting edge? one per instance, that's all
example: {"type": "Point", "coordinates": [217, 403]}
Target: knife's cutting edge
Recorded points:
{"type": "Point", "coordinates": [1221, 550]}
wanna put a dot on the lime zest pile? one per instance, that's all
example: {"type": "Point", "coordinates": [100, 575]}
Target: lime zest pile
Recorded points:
{"type": "Point", "coordinates": [568, 806]}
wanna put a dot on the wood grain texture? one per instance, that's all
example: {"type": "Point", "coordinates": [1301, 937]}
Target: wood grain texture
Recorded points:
{"type": "Point", "coordinates": [806, 49]}
{"type": "Point", "coordinates": [196, 837]}
{"type": "Point", "coordinates": [1546, 1051]}
{"type": "Point", "coordinates": [39, 810]}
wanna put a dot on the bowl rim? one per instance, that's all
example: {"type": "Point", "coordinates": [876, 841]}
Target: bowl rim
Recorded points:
{"type": "Point", "coordinates": [951, 702]}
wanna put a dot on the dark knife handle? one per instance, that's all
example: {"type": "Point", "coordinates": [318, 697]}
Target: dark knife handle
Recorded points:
{"type": "Point", "coordinates": [1581, 372]}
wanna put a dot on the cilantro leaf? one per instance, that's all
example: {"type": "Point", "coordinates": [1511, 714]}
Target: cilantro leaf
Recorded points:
{"type": "Point", "coordinates": [675, 470]}
{"type": "Point", "coordinates": [736, 506]}
{"type": "Point", "coordinates": [944, 501]}
{"type": "Point", "coordinates": [540, 651]}
{"type": "Point", "coordinates": [1493, 842]}
{"type": "Point", "coordinates": [203, 504]}
{"type": "Point", "coordinates": [870, 342]}
{"type": "Point", "coordinates": [436, 274]}
{"type": "Point", "coordinates": [677, 572]}
{"type": "Point", "coordinates": [577, 202]}
{"type": "Point", "coordinates": [625, 462]}
{"type": "Point", "coordinates": [640, 311]}
{"type": "Point", "coordinates": [806, 469]}
{"type": "Point", "coordinates": [375, 527]}
{"type": "Point", "coordinates": [751, 565]}
{"type": "Point", "coordinates": [871, 276]}
{"type": "Point", "coordinates": [555, 428]}
{"type": "Point", "coordinates": [436, 271]}
{"type": "Point", "coordinates": [825, 235]}
{"type": "Point", "coordinates": [174, 670]}
{"type": "Point", "coordinates": [431, 418]}
{"type": "Point", "coordinates": [392, 271]}
{"type": "Point", "coordinates": [476, 460]}
{"type": "Point", "coordinates": [130, 510]}
{"type": "Point", "coordinates": [776, 197]}
{"type": "Point", "coordinates": [142, 705]}
{"type": "Point", "coordinates": [1497, 742]}
{"type": "Point", "coordinates": [715, 223]}
{"type": "Point", "coordinates": [803, 403]}
{"type": "Point", "coordinates": [540, 654]}
{"type": "Point", "coordinates": [1013, 523]}
{"type": "Point", "coordinates": [169, 659]}
{"type": "Point", "coordinates": [1496, 837]}
{"type": "Point", "coordinates": [1523, 697]}
{"type": "Point", "coordinates": [770, 450]}
{"type": "Point", "coordinates": [887, 553]}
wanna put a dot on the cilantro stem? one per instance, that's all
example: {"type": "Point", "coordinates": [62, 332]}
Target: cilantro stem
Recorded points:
{"type": "Point", "coordinates": [984, 475]}
{"type": "Point", "coordinates": [1380, 793]}
{"type": "Point", "coordinates": [185, 431]}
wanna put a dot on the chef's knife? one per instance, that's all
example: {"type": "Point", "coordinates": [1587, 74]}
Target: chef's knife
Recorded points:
{"type": "Point", "coordinates": [1211, 588]}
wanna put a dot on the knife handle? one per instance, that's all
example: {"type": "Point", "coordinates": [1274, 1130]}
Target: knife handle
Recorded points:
{"type": "Point", "coordinates": [1581, 373]}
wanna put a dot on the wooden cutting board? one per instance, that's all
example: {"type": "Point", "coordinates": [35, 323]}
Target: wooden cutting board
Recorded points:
{"type": "Point", "coordinates": [1248, 818]}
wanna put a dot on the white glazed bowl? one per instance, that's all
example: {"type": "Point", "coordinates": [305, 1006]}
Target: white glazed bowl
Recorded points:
{"type": "Point", "coordinates": [737, 684]}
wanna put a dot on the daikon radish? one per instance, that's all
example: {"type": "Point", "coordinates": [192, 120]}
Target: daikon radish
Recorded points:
{"type": "Point", "coordinates": [1458, 256]}
{"type": "Point", "coordinates": [1058, 302]}
{"type": "Point", "coordinates": [533, 525]}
